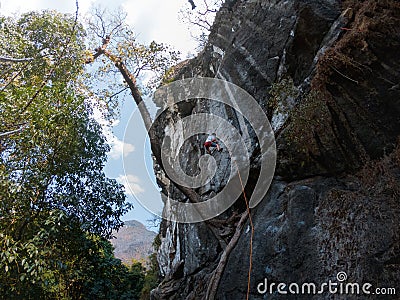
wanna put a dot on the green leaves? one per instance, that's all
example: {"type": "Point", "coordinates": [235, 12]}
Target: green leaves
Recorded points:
{"type": "Point", "coordinates": [56, 204]}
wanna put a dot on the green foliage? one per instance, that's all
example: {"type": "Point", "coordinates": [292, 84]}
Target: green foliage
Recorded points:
{"type": "Point", "coordinates": [137, 275]}
{"type": "Point", "coordinates": [57, 207]}
{"type": "Point", "coordinates": [151, 280]}
{"type": "Point", "coordinates": [78, 265]}
{"type": "Point", "coordinates": [116, 280]}
{"type": "Point", "coordinates": [308, 116]}
{"type": "Point", "coordinates": [157, 242]}
{"type": "Point", "coordinates": [281, 94]}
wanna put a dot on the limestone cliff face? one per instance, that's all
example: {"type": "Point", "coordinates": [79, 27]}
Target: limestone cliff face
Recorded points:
{"type": "Point", "coordinates": [327, 75]}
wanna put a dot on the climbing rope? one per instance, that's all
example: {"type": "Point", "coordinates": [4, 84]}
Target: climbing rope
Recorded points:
{"type": "Point", "coordinates": [251, 235]}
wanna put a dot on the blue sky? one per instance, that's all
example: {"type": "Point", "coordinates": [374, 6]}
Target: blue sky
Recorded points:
{"type": "Point", "coordinates": [129, 162]}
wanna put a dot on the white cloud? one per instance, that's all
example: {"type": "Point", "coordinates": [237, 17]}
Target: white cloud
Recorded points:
{"type": "Point", "coordinates": [131, 184]}
{"type": "Point", "coordinates": [120, 148]}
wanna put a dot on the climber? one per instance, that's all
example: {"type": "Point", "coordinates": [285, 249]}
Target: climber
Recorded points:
{"type": "Point", "coordinates": [211, 141]}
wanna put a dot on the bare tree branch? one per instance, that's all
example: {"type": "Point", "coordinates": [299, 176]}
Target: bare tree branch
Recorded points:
{"type": "Point", "coordinates": [16, 75]}
{"type": "Point", "coordinates": [14, 60]}
{"type": "Point", "coordinates": [119, 92]}
{"type": "Point", "coordinates": [202, 17]}
{"type": "Point", "coordinates": [99, 51]}
{"type": "Point", "coordinates": [154, 221]}
{"type": "Point", "coordinates": [99, 14]}
{"type": "Point", "coordinates": [207, 25]}
{"type": "Point", "coordinates": [12, 131]}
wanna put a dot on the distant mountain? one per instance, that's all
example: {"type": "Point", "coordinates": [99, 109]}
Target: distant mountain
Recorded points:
{"type": "Point", "coordinates": [133, 241]}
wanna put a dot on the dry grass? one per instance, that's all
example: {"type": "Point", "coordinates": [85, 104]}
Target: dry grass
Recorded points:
{"type": "Point", "coordinates": [360, 223]}
{"type": "Point", "coordinates": [350, 56]}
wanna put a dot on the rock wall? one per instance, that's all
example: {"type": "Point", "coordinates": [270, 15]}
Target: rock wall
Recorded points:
{"type": "Point", "coordinates": [327, 75]}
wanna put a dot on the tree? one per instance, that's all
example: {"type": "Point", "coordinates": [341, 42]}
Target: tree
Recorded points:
{"type": "Point", "coordinates": [131, 59]}
{"type": "Point", "coordinates": [57, 207]}
{"type": "Point", "coordinates": [108, 278]}
{"type": "Point", "coordinates": [151, 278]}
{"type": "Point", "coordinates": [121, 60]}
{"type": "Point", "coordinates": [200, 17]}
